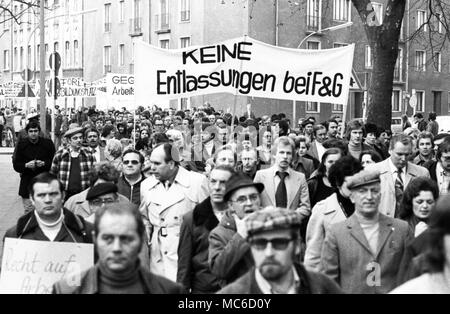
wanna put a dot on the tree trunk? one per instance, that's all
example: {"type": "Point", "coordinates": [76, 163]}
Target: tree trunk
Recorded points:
{"type": "Point", "coordinates": [379, 109]}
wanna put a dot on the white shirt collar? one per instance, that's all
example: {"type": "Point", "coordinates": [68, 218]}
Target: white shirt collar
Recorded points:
{"type": "Point", "coordinates": [266, 288]}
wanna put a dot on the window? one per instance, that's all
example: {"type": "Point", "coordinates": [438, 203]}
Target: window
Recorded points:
{"type": "Point", "coordinates": [137, 9]}
{"type": "Point", "coordinates": [342, 10]}
{"type": "Point", "coordinates": [312, 107]}
{"type": "Point", "coordinates": [6, 61]}
{"type": "Point", "coordinates": [398, 70]}
{"type": "Point", "coordinates": [337, 108]}
{"type": "Point", "coordinates": [16, 59]}
{"type": "Point", "coordinates": [448, 101]}
{"type": "Point", "coordinates": [56, 46]}
{"type": "Point", "coordinates": [420, 61]}
{"type": "Point", "coordinates": [339, 45]}
{"type": "Point", "coordinates": [107, 59]}
{"type": "Point", "coordinates": [437, 61]}
{"type": "Point", "coordinates": [121, 55]}
{"type": "Point", "coordinates": [422, 19]}
{"type": "Point", "coordinates": [164, 15]}
{"type": "Point", "coordinates": [67, 54]}
{"type": "Point", "coordinates": [378, 9]}
{"type": "Point", "coordinates": [437, 25]}
{"type": "Point", "coordinates": [121, 11]}
{"type": "Point", "coordinates": [38, 54]}
{"type": "Point", "coordinates": [164, 44]}
{"type": "Point", "coordinates": [76, 54]}
{"type": "Point", "coordinates": [396, 100]}
{"type": "Point", "coordinates": [21, 59]}
{"type": "Point", "coordinates": [185, 10]}
{"type": "Point", "coordinates": [107, 17]}
{"type": "Point", "coordinates": [313, 45]}
{"type": "Point", "coordinates": [185, 42]}
{"type": "Point", "coordinates": [29, 57]}
{"type": "Point", "coordinates": [313, 17]}
{"type": "Point", "coordinates": [420, 100]}
{"type": "Point", "coordinates": [368, 57]}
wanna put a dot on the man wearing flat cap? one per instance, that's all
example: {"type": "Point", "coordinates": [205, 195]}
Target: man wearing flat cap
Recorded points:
{"type": "Point", "coordinates": [99, 196]}
{"type": "Point", "coordinates": [273, 235]}
{"type": "Point", "coordinates": [72, 164]}
{"type": "Point", "coordinates": [229, 253]}
{"type": "Point", "coordinates": [363, 253]}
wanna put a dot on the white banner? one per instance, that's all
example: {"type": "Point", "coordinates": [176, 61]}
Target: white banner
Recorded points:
{"type": "Point", "coordinates": [120, 86]}
{"type": "Point", "coordinates": [243, 66]}
{"type": "Point", "coordinates": [32, 267]}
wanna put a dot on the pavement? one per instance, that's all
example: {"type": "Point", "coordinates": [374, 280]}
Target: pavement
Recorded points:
{"type": "Point", "coordinates": [10, 203]}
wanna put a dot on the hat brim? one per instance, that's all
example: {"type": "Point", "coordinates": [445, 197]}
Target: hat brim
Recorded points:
{"type": "Point", "coordinates": [258, 186]}
{"type": "Point", "coordinates": [72, 132]}
{"type": "Point", "coordinates": [353, 187]}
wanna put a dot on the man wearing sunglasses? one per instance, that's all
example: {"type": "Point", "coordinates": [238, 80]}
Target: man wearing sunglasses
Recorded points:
{"type": "Point", "coordinates": [274, 238]}
{"type": "Point", "coordinates": [129, 184]}
{"type": "Point", "coordinates": [229, 254]}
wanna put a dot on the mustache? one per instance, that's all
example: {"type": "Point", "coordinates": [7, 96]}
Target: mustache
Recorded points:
{"type": "Point", "coordinates": [270, 261]}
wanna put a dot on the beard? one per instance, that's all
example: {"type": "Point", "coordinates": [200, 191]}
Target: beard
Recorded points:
{"type": "Point", "coordinates": [271, 270]}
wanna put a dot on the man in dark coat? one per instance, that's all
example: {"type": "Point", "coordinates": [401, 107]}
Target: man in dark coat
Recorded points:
{"type": "Point", "coordinates": [119, 236]}
{"type": "Point", "coordinates": [32, 156]}
{"type": "Point", "coordinates": [193, 267]}
{"type": "Point", "coordinates": [276, 270]}
{"type": "Point", "coordinates": [50, 221]}
{"type": "Point", "coordinates": [229, 253]}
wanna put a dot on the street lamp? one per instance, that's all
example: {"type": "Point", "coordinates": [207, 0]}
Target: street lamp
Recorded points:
{"type": "Point", "coordinates": [328, 29]}
{"type": "Point", "coordinates": [43, 55]}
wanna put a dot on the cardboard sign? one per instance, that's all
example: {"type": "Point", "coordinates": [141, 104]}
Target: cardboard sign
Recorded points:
{"type": "Point", "coordinates": [32, 267]}
{"type": "Point", "coordinates": [243, 66]}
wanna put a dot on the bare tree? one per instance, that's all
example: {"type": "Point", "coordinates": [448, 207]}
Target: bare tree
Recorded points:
{"type": "Point", "coordinates": [8, 11]}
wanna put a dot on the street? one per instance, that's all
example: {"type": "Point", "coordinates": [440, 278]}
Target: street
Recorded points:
{"type": "Point", "coordinates": [10, 203]}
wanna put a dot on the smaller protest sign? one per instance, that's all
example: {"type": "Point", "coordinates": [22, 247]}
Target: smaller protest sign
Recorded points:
{"type": "Point", "coordinates": [32, 267]}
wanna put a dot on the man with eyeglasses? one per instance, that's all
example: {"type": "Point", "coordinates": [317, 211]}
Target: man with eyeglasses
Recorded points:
{"type": "Point", "coordinates": [130, 181]}
{"type": "Point", "coordinates": [273, 235]}
{"type": "Point", "coordinates": [71, 165]}
{"type": "Point", "coordinates": [229, 254]}
{"type": "Point", "coordinates": [101, 195]}
{"type": "Point", "coordinates": [158, 126]}
{"type": "Point", "coordinates": [32, 156]}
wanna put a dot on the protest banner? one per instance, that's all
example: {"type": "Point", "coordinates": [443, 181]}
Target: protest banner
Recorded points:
{"type": "Point", "coordinates": [243, 66]}
{"type": "Point", "coordinates": [120, 86]}
{"type": "Point", "coordinates": [32, 267]}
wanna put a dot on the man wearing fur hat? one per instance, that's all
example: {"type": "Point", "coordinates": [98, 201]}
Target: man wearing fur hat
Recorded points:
{"type": "Point", "coordinates": [72, 164]}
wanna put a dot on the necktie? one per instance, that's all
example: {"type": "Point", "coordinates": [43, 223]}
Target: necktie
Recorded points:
{"type": "Point", "coordinates": [281, 193]}
{"type": "Point", "coordinates": [398, 191]}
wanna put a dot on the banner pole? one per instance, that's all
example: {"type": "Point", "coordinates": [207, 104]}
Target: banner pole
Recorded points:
{"type": "Point", "coordinates": [344, 117]}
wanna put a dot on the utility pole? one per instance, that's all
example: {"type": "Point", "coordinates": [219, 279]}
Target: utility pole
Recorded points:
{"type": "Point", "coordinates": [43, 110]}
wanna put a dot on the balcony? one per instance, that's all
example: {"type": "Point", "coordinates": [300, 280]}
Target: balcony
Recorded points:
{"type": "Point", "coordinates": [136, 27]}
{"type": "Point", "coordinates": [162, 23]}
{"type": "Point", "coordinates": [108, 69]}
{"type": "Point", "coordinates": [108, 27]}
{"type": "Point", "coordinates": [313, 23]}
{"type": "Point", "coordinates": [185, 16]}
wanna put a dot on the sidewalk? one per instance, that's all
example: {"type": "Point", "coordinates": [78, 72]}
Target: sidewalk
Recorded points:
{"type": "Point", "coordinates": [6, 150]}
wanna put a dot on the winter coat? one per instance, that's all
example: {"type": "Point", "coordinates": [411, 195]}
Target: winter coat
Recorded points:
{"type": "Point", "coordinates": [25, 152]}
{"type": "Point", "coordinates": [229, 253]}
{"type": "Point", "coordinates": [193, 267]}
{"type": "Point", "coordinates": [153, 284]}
{"type": "Point", "coordinates": [74, 229]}
{"type": "Point", "coordinates": [310, 283]}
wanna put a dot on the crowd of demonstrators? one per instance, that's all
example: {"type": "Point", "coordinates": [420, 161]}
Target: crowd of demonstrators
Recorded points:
{"type": "Point", "coordinates": [230, 204]}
